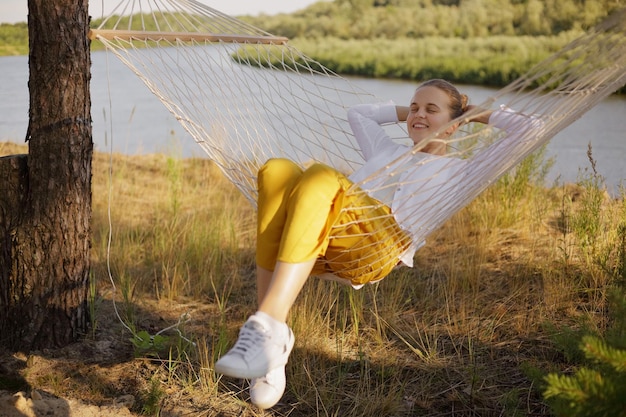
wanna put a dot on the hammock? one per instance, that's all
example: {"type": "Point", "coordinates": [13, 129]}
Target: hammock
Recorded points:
{"type": "Point", "coordinates": [245, 96]}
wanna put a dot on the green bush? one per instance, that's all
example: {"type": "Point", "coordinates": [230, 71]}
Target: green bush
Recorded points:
{"type": "Point", "coordinates": [597, 385]}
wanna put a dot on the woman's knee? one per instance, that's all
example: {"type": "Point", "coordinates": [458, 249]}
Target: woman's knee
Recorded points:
{"type": "Point", "coordinates": [322, 177]}
{"type": "Point", "coordinates": [279, 168]}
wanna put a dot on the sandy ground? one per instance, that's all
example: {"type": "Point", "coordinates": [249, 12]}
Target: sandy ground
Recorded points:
{"type": "Point", "coordinates": [38, 404]}
{"type": "Point", "coordinates": [97, 376]}
{"type": "Point", "coordinates": [91, 378]}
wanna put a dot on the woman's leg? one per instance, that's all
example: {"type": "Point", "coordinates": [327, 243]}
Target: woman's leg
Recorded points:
{"type": "Point", "coordinates": [300, 221]}
{"type": "Point", "coordinates": [296, 214]}
{"type": "Point", "coordinates": [263, 280]}
{"type": "Point", "coordinates": [285, 285]}
{"type": "Point", "coordinates": [311, 209]}
{"type": "Point", "coordinates": [275, 182]}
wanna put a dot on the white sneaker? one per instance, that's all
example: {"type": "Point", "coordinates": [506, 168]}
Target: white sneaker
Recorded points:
{"type": "Point", "coordinates": [266, 391]}
{"type": "Point", "coordinates": [256, 352]}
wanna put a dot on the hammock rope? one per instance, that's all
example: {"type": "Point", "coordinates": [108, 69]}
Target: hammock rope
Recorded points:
{"type": "Point", "coordinates": [246, 96]}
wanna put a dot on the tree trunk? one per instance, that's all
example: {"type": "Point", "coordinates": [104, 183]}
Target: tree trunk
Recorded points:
{"type": "Point", "coordinates": [50, 247]}
{"type": "Point", "coordinates": [13, 193]}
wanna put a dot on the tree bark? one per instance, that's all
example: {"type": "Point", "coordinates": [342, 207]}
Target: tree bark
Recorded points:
{"type": "Point", "coordinates": [50, 248]}
{"type": "Point", "coordinates": [13, 193]}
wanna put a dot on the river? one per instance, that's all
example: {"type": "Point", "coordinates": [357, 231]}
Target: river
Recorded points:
{"type": "Point", "coordinates": [124, 109]}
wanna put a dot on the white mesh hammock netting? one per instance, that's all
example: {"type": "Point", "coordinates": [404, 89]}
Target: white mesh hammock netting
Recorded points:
{"type": "Point", "coordinates": [246, 96]}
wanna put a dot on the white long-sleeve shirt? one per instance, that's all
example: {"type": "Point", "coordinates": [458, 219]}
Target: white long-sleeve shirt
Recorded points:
{"type": "Point", "coordinates": [422, 183]}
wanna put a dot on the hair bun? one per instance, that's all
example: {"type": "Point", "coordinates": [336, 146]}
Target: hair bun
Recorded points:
{"type": "Point", "coordinates": [464, 102]}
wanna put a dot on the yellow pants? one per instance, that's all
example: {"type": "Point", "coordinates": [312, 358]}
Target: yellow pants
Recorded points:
{"type": "Point", "coordinates": [307, 214]}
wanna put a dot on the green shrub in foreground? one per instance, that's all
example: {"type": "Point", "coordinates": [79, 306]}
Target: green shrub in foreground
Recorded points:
{"type": "Point", "coordinates": [596, 390]}
{"type": "Point", "coordinates": [598, 386]}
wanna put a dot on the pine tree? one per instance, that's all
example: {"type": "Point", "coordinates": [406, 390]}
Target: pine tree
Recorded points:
{"type": "Point", "coordinates": [598, 387]}
{"type": "Point", "coordinates": [597, 390]}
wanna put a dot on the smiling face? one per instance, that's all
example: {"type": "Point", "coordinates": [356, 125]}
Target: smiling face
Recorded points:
{"type": "Point", "coordinates": [429, 111]}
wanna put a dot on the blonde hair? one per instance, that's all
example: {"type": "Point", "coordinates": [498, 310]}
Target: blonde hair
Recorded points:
{"type": "Point", "coordinates": [458, 101]}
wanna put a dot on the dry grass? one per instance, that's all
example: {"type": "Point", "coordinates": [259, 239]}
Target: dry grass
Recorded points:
{"type": "Point", "coordinates": [465, 332]}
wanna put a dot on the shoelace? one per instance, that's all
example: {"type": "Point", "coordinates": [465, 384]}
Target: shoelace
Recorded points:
{"type": "Point", "coordinates": [251, 338]}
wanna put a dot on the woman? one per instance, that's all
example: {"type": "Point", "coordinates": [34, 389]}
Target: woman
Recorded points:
{"type": "Point", "coordinates": [302, 229]}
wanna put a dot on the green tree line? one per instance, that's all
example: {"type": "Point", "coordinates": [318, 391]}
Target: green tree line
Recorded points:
{"type": "Point", "coordinates": [482, 42]}
{"type": "Point", "coordinates": [392, 19]}
{"type": "Point", "coordinates": [492, 61]}
{"type": "Point", "coordinates": [13, 39]}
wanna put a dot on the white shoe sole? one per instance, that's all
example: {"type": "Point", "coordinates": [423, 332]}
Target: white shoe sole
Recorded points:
{"type": "Point", "coordinates": [265, 392]}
